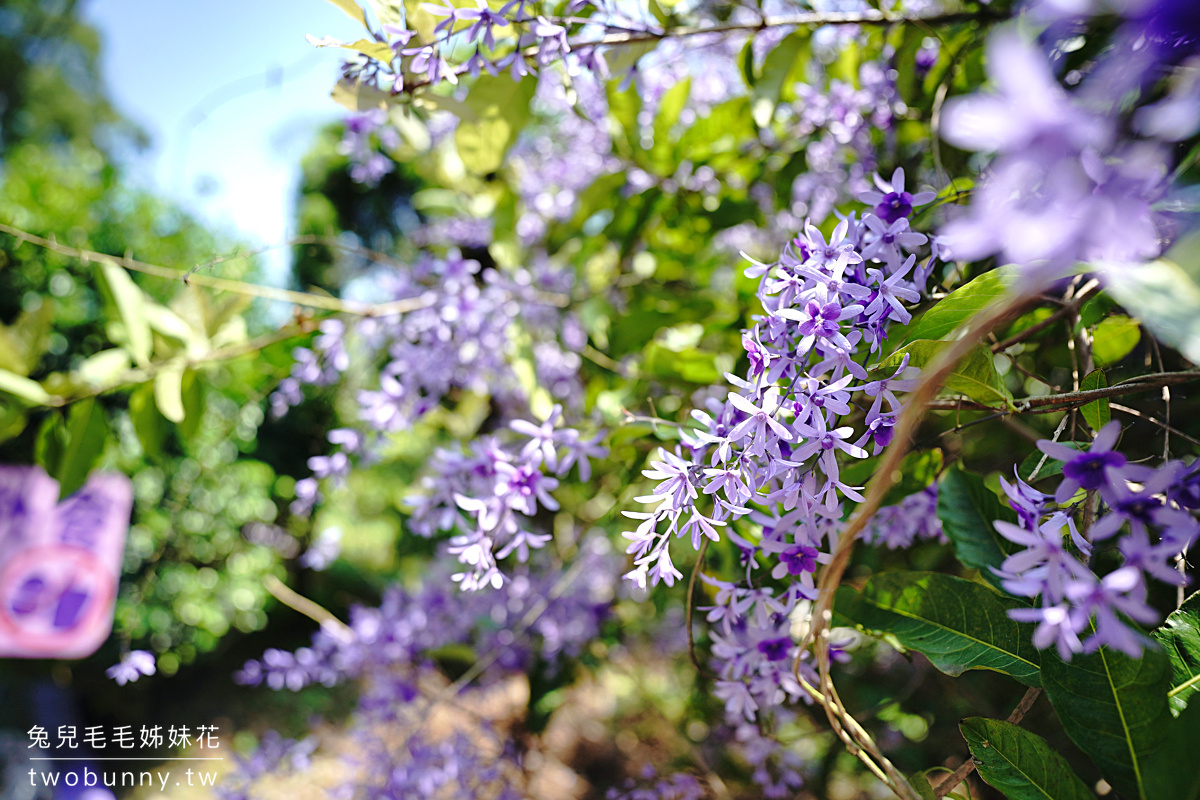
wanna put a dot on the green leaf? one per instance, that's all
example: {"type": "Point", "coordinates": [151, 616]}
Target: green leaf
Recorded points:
{"type": "Point", "coordinates": [368, 47]}
{"type": "Point", "coordinates": [148, 423]}
{"type": "Point", "coordinates": [192, 392]}
{"type": "Point", "coordinates": [23, 342]}
{"type": "Point", "coordinates": [669, 108]}
{"type": "Point", "coordinates": [1171, 773]}
{"type": "Point", "coordinates": [12, 420]}
{"type": "Point", "coordinates": [783, 66]}
{"type": "Point", "coordinates": [168, 391]}
{"type": "Point", "coordinates": [501, 107]}
{"type": "Point", "coordinates": [24, 388]}
{"type": "Point", "coordinates": [130, 304]}
{"type": "Point", "coordinates": [389, 12]}
{"type": "Point", "coordinates": [1114, 708]}
{"type": "Point", "coordinates": [1096, 412]}
{"type": "Point", "coordinates": [1020, 763]}
{"type": "Point", "coordinates": [360, 96]}
{"type": "Point", "coordinates": [87, 427]}
{"type": "Point", "coordinates": [1166, 298]}
{"type": "Point", "coordinates": [103, 368]}
{"type": "Point", "coordinates": [50, 443]}
{"type": "Point", "coordinates": [1180, 639]}
{"type": "Point", "coordinates": [1114, 338]}
{"type": "Point", "coordinates": [922, 784]}
{"type": "Point", "coordinates": [1050, 466]}
{"type": "Point", "coordinates": [968, 509]}
{"type": "Point", "coordinates": [958, 624]}
{"type": "Point", "coordinates": [975, 374]}
{"type": "Point", "coordinates": [962, 304]}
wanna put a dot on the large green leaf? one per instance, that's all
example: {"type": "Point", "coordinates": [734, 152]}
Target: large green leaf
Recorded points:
{"type": "Point", "coordinates": [968, 509]}
{"type": "Point", "coordinates": [1171, 773]}
{"type": "Point", "coordinates": [958, 624]}
{"type": "Point", "coordinates": [87, 427]}
{"type": "Point", "coordinates": [963, 303]}
{"type": "Point", "coordinates": [501, 108]}
{"type": "Point", "coordinates": [782, 67]}
{"type": "Point", "coordinates": [1180, 638]}
{"type": "Point", "coordinates": [1020, 763]}
{"type": "Point", "coordinates": [974, 375]}
{"type": "Point", "coordinates": [1114, 708]}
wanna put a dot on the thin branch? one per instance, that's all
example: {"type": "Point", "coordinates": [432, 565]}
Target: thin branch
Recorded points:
{"type": "Point", "coordinates": [306, 299]}
{"type": "Point", "coordinates": [687, 613]}
{"type": "Point", "coordinates": [1047, 404]}
{"type": "Point", "coordinates": [1086, 292]}
{"type": "Point", "coordinates": [633, 37]}
{"type": "Point", "coordinates": [910, 419]}
{"type": "Point", "coordinates": [141, 375]}
{"type": "Point", "coordinates": [1164, 425]}
{"type": "Point", "coordinates": [297, 602]}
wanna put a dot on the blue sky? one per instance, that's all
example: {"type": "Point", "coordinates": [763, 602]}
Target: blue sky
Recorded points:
{"type": "Point", "coordinates": [231, 95]}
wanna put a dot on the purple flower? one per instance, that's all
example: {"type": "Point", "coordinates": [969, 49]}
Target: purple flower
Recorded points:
{"type": "Point", "coordinates": [891, 202]}
{"type": "Point", "coordinates": [1098, 467]}
{"type": "Point", "coordinates": [132, 666]}
{"type": "Point", "coordinates": [1027, 108]}
{"type": "Point", "coordinates": [799, 560]}
{"type": "Point", "coordinates": [775, 649]}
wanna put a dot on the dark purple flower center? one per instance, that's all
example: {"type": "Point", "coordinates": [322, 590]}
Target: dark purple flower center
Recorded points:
{"type": "Point", "coordinates": [799, 560]}
{"type": "Point", "coordinates": [1089, 469]}
{"type": "Point", "coordinates": [895, 205]}
{"type": "Point", "coordinates": [1139, 508]}
{"type": "Point", "coordinates": [775, 649]}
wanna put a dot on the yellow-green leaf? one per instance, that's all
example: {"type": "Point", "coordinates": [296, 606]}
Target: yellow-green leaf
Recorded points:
{"type": "Point", "coordinates": [1114, 338]}
{"type": "Point", "coordinates": [368, 47]}
{"type": "Point", "coordinates": [24, 388]}
{"type": "Point", "coordinates": [501, 106]}
{"type": "Point", "coordinates": [168, 391]}
{"type": "Point", "coordinates": [359, 96]}
{"type": "Point", "coordinates": [131, 306]}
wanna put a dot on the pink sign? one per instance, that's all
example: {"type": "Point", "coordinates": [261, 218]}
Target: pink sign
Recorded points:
{"type": "Point", "coordinates": [60, 563]}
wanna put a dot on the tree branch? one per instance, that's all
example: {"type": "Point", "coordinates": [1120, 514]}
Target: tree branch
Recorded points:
{"type": "Point", "coordinates": [1050, 403]}
{"type": "Point", "coordinates": [306, 299]}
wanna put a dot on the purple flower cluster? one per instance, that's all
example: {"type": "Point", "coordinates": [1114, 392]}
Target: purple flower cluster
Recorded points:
{"type": "Point", "coordinates": [649, 786]}
{"type": "Point", "coordinates": [390, 650]}
{"type": "Point", "coordinates": [554, 163]}
{"type": "Point", "coordinates": [132, 666]}
{"type": "Point", "coordinates": [390, 645]}
{"type": "Point", "coordinates": [838, 121]}
{"type": "Point", "coordinates": [272, 755]}
{"type": "Point", "coordinates": [911, 520]}
{"type": "Point", "coordinates": [462, 340]}
{"type": "Point", "coordinates": [491, 493]}
{"type": "Point", "coordinates": [1079, 610]}
{"type": "Point", "coordinates": [775, 442]}
{"type": "Point", "coordinates": [761, 467]}
{"type": "Point", "coordinates": [461, 764]}
{"type": "Point", "coordinates": [1064, 186]}
{"type": "Point", "coordinates": [367, 164]}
